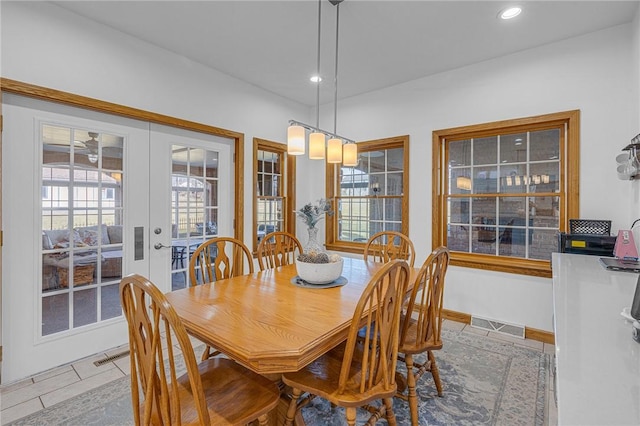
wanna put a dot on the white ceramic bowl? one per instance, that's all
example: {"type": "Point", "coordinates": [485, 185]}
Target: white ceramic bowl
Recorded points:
{"type": "Point", "coordinates": [319, 273]}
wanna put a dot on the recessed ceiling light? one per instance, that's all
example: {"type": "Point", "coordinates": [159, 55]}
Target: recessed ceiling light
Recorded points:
{"type": "Point", "coordinates": [315, 79]}
{"type": "Point", "coordinates": [510, 12]}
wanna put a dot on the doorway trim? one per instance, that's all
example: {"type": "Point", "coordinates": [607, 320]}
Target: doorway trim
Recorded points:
{"type": "Point", "coordinates": [53, 95]}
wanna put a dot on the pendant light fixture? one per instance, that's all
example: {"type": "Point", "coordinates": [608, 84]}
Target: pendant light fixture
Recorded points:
{"type": "Point", "coordinates": [316, 138]}
{"type": "Point", "coordinates": [336, 152]}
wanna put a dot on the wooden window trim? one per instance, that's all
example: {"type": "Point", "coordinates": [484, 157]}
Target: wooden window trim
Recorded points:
{"type": "Point", "coordinates": [289, 187]}
{"type": "Point", "coordinates": [83, 102]}
{"type": "Point", "coordinates": [569, 186]}
{"type": "Point", "coordinates": [333, 189]}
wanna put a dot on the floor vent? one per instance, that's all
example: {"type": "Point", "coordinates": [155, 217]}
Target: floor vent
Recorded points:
{"type": "Point", "coordinates": [111, 358]}
{"type": "Point", "coordinates": [515, 330]}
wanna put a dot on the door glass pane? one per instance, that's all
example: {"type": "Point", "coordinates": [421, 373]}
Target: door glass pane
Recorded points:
{"type": "Point", "coordinates": [82, 210]}
{"type": "Point", "coordinates": [194, 206]}
{"type": "Point", "coordinates": [55, 313]}
{"type": "Point", "coordinates": [110, 301]}
{"type": "Point", "coordinates": [85, 308]}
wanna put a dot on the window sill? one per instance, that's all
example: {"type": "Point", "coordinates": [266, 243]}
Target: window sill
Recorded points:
{"type": "Point", "coordinates": [357, 248]}
{"type": "Point", "coordinates": [536, 268]}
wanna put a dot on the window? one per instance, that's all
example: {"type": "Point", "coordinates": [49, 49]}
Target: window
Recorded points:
{"type": "Point", "coordinates": [504, 190]}
{"type": "Point", "coordinates": [274, 190]}
{"type": "Point", "coordinates": [371, 197]}
{"type": "Point", "coordinates": [194, 205]}
{"type": "Point", "coordinates": [81, 211]}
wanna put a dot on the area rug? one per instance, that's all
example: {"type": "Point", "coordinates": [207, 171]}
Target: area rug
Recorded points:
{"type": "Point", "coordinates": [485, 382]}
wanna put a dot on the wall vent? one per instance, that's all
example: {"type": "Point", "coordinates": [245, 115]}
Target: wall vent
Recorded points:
{"type": "Point", "coordinates": [111, 358]}
{"type": "Point", "coordinates": [515, 330]}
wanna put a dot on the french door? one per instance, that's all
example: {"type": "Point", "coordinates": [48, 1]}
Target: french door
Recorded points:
{"type": "Point", "coordinates": [88, 198]}
{"type": "Point", "coordinates": [197, 206]}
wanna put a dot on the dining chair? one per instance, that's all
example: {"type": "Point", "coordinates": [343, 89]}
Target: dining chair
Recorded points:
{"type": "Point", "coordinates": [219, 258]}
{"type": "Point", "coordinates": [215, 259]}
{"type": "Point", "coordinates": [421, 326]}
{"type": "Point", "coordinates": [277, 249]}
{"type": "Point", "coordinates": [389, 245]}
{"type": "Point", "coordinates": [216, 391]}
{"type": "Point", "coordinates": [359, 371]}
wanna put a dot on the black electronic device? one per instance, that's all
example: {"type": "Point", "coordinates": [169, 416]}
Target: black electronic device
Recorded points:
{"type": "Point", "coordinates": [595, 245]}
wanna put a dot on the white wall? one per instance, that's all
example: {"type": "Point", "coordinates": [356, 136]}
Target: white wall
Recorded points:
{"type": "Point", "coordinates": [593, 73]}
{"type": "Point", "coordinates": [635, 86]}
{"type": "Point", "coordinates": [47, 46]}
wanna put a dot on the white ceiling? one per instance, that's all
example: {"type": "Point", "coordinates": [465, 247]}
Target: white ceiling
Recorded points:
{"type": "Point", "coordinates": [273, 44]}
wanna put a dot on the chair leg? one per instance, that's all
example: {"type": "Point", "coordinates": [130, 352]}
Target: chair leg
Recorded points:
{"type": "Point", "coordinates": [351, 415]}
{"type": "Point", "coordinates": [435, 373]}
{"type": "Point", "coordinates": [391, 416]}
{"type": "Point", "coordinates": [293, 406]}
{"type": "Point", "coordinates": [412, 396]}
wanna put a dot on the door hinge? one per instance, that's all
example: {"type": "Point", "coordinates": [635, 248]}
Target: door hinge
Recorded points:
{"type": "Point", "coordinates": [0, 353]}
{"type": "Point", "coordinates": [234, 157]}
{"type": "Point", "coordinates": [1, 238]}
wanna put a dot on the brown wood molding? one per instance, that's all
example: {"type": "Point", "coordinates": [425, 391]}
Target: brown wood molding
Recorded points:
{"type": "Point", "coordinates": [529, 333]}
{"type": "Point", "coordinates": [540, 335]}
{"type": "Point", "coordinates": [456, 316]}
{"type": "Point", "coordinates": [53, 95]}
{"type": "Point", "coordinates": [568, 123]}
{"type": "Point", "coordinates": [57, 96]}
{"type": "Point", "coordinates": [287, 186]}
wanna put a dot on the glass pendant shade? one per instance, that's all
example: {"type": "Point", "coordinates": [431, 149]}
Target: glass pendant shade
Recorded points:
{"type": "Point", "coordinates": [350, 155]}
{"type": "Point", "coordinates": [295, 140]}
{"type": "Point", "coordinates": [316, 146]}
{"type": "Point", "coordinates": [334, 151]}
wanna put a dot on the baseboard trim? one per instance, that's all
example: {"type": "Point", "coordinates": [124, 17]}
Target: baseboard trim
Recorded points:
{"type": "Point", "coordinates": [456, 316]}
{"type": "Point", "coordinates": [540, 335]}
{"type": "Point", "coordinates": [529, 333]}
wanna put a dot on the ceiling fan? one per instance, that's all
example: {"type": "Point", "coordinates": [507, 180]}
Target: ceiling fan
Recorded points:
{"type": "Point", "coordinates": [92, 148]}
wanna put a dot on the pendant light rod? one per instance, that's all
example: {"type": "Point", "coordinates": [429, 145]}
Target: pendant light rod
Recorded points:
{"type": "Point", "coordinates": [335, 75]}
{"type": "Point", "coordinates": [317, 129]}
{"type": "Point", "coordinates": [338, 149]}
{"type": "Point", "coordinates": [318, 66]}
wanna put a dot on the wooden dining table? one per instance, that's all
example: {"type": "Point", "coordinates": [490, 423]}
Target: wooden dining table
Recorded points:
{"type": "Point", "coordinates": [270, 325]}
{"type": "Point", "coordinates": [265, 322]}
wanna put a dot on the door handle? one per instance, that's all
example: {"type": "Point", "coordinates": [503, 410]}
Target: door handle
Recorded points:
{"type": "Point", "coordinates": [159, 246]}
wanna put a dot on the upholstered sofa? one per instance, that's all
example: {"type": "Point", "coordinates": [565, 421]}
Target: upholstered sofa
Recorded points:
{"type": "Point", "coordinates": [56, 259]}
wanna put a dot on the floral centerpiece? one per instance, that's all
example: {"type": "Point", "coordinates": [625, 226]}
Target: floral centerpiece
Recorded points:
{"type": "Point", "coordinates": [314, 265]}
{"type": "Point", "coordinates": [311, 214]}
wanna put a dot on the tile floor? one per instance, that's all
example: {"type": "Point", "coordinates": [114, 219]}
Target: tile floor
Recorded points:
{"type": "Point", "coordinates": [51, 387]}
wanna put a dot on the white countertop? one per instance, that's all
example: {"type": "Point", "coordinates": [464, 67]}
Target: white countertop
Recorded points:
{"type": "Point", "coordinates": [597, 361]}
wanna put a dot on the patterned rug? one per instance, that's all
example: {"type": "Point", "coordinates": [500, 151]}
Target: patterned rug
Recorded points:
{"type": "Point", "coordinates": [485, 382]}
